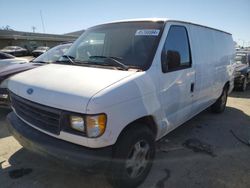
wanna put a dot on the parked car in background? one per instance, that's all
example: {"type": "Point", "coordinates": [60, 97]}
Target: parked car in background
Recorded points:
{"type": "Point", "coordinates": [6, 56]}
{"type": "Point", "coordinates": [242, 70]}
{"type": "Point", "coordinates": [7, 59]}
{"type": "Point", "coordinates": [39, 50]}
{"type": "Point", "coordinates": [15, 50]}
{"type": "Point", "coordinates": [53, 54]}
{"type": "Point", "coordinates": [126, 85]}
{"type": "Point", "coordinates": [11, 69]}
{"type": "Point", "coordinates": [8, 71]}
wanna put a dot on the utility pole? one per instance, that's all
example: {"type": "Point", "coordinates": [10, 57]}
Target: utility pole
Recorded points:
{"type": "Point", "coordinates": [33, 29]}
{"type": "Point", "coordinates": [42, 21]}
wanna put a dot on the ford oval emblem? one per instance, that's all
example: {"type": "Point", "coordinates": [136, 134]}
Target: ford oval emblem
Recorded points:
{"type": "Point", "coordinates": [30, 91]}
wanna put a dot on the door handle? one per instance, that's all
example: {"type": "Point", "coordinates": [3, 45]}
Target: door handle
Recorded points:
{"type": "Point", "coordinates": [192, 87]}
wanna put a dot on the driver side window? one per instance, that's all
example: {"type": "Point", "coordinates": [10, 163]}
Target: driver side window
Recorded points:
{"type": "Point", "coordinates": [176, 51]}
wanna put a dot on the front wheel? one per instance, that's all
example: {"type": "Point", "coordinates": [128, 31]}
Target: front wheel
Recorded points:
{"type": "Point", "coordinates": [133, 156]}
{"type": "Point", "coordinates": [220, 105]}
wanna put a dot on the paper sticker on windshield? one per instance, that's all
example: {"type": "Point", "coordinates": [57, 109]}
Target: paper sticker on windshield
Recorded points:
{"type": "Point", "coordinates": [147, 32]}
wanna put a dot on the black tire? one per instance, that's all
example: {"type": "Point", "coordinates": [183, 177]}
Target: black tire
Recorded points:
{"type": "Point", "coordinates": [136, 143]}
{"type": "Point", "coordinates": [243, 87]}
{"type": "Point", "coordinates": [220, 105]}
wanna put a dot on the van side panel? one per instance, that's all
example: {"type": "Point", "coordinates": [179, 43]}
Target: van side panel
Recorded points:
{"type": "Point", "coordinates": [212, 55]}
{"type": "Point", "coordinates": [201, 43]}
{"type": "Point", "coordinates": [224, 52]}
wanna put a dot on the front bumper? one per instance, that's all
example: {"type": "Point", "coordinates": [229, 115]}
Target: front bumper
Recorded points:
{"type": "Point", "coordinates": [4, 98]}
{"type": "Point", "coordinates": [56, 149]}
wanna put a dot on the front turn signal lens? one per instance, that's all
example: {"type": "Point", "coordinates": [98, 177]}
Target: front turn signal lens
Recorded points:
{"type": "Point", "coordinates": [95, 125]}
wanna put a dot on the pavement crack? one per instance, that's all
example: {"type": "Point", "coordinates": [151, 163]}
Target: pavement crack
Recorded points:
{"type": "Point", "coordinates": [161, 182]}
{"type": "Point", "coordinates": [243, 141]}
{"type": "Point", "coordinates": [197, 146]}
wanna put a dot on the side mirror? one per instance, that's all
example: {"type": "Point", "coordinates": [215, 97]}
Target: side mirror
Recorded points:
{"type": "Point", "coordinates": [170, 60]}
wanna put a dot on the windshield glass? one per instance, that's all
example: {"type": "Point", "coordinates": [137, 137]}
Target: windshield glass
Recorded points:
{"type": "Point", "coordinates": [241, 58]}
{"type": "Point", "coordinates": [133, 44]}
{"type": "Point", "coordinates": [53, 54]}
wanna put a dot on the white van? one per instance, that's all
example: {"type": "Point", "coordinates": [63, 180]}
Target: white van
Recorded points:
{"type": "Point", "coordinates": [121, 87]}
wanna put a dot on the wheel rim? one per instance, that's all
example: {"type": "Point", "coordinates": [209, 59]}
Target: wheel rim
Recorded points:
{"type": "Point", "coordinates": [138, 159]}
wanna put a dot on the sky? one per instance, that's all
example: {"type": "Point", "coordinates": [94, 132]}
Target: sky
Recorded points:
{"type": "Point", "coordinates": [61, 16]}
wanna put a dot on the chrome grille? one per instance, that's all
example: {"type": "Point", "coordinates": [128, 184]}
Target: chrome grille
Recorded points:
{"type": "Point", "coordinates": [43, 117]}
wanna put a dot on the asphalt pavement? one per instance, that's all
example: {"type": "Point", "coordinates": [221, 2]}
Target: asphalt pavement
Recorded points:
{"type": "Point", "coordinates": [209, 151]}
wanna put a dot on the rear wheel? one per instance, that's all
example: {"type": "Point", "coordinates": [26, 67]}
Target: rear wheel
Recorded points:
{"type": "Point", "coordinates": [220, 105]}
{"type": "Point", "coordinates": [133, 156]}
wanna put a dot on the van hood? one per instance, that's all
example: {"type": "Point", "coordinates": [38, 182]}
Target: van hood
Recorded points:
{"type": "Point", "coordinates": [64, 86]}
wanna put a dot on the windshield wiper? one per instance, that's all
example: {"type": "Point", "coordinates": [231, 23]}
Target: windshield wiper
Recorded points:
{"type": "Point", "coordinates": [112, 61]}
{"type": "Point", "coordinates": [42, 62]}
{"type": "Point", "coordinates": [102, 56]}
{"type": "Point", "coordinates": [71, 59]}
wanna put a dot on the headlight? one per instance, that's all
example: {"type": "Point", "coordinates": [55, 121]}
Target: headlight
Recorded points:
{"type": "Point", "coordinates": [77, 123]}
{"type": "Point", "coordinates": [3, 94]}
{"type": "Point", "coordinates": [92, 125]}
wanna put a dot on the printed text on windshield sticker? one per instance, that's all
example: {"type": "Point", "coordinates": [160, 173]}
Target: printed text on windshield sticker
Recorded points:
{"type": "Point", "coordinates": [147, 32]}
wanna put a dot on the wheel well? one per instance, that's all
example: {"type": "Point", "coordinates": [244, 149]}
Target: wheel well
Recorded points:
{"type": "Point", "coordinates": [227, 85]}
{"type": "Point", "coordinates": [146, 121]}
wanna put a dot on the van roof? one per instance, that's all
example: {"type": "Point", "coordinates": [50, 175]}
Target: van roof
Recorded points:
{"type": "Point", "coordinates": [165, 20]}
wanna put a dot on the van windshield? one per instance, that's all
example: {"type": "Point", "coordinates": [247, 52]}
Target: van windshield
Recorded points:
{"type": "Point", "coordinates": [132, 44]}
